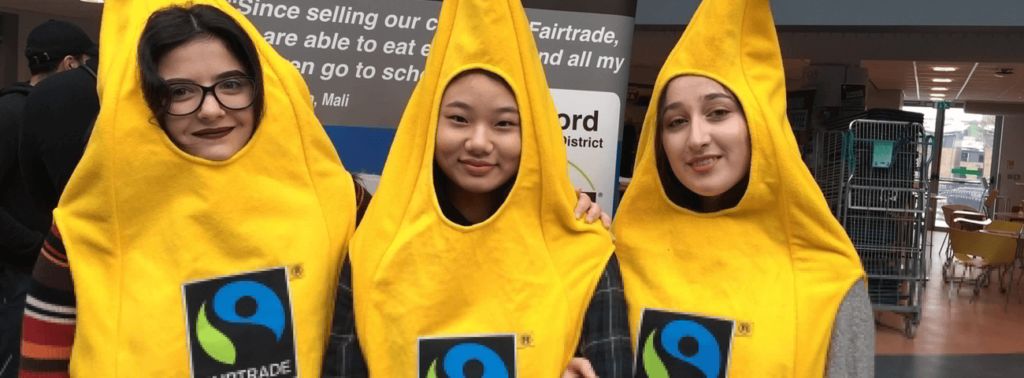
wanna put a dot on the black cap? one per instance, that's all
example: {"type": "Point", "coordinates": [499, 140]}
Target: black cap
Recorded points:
{"type": "Point", "coordinates": [55, 39]}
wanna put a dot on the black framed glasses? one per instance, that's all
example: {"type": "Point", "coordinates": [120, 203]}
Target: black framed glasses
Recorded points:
{"type": "Point", "coordinates": [235, 93]}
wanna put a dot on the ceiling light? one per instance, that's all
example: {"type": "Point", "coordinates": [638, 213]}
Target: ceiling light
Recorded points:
{"type": "Point", "coordinates": [938, 95]}
{"type": "Point", "coordinates": [93, 1]}
{"type": "Point", "coordinates": [940, 89]}
{"type": "Point", "coordinates": [938, 99]}
{"type": "Point", "coordinates": [944, 69]}
{"type": "Point", "coordinates": [942, 80]}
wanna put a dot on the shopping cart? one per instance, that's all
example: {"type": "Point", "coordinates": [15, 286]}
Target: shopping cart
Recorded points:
{"type": "Point", "coordinates": [883, 209]}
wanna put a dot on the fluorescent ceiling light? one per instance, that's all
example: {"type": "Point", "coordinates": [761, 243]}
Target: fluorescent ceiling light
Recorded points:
{"type": "Point", "coordinates": [940, 89]}
{"type": "Point", "coordinates": [938, 99]}
{"type": "Point", "coordinates": [944, 69]}
{"type": "Point", "coordinates": [93, 1]}
{"type": "Point", "coordinates": [938, 95]}
{"type": "Point", "coordinates": [942, 80]}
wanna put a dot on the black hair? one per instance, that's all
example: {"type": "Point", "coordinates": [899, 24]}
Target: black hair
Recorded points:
{"type": "Point", "coordinates": [177, 25]}
{"type": "Point", "coordinates": [678, 193]}
{"type": "Point", "coordinates": [50, 66]}
{"type": "Point", "coordinates": [484, 72]}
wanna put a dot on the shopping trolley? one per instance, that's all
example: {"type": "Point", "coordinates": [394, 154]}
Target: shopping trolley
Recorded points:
{"type": "Point", "coordinates": [884, 207]}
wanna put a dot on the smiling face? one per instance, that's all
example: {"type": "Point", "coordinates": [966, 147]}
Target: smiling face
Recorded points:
{"type": "Point", "coordinates": [478, 135]}
{"type": "Point", "coordinates": [704, 135]}
{"type": "Point", "coordinates": [212, 132]}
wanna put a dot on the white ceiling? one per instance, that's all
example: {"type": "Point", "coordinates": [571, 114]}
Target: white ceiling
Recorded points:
{"type": "Point", "coordinates": [981, 85]}
{"type": "Point", "coordinates": [888, 57]}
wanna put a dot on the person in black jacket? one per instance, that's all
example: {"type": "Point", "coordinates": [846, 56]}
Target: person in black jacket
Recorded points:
{"type": "Point", "coordinates": [52, 47]}
{"type": "Point", "coordinates": [21, 225]}
{"type": "Point", "coordinates": [61, 112]}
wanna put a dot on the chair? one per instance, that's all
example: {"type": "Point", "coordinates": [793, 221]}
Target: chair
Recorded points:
{"type": "Point", "coordinates": [949, 213]}
{"type": "Point", "coordinates": [970, 220]}
{"type": "Point", "coordinates": [989, 205]}
{"type": "Point", "coordinates": [1015, 227]}
{"type": "Point", "coordinates": [948, 210]}
{"type": "Point", "coordinates": [984, 251]}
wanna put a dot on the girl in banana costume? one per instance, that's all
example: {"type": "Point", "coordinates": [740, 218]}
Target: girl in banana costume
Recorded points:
{"type": "Point", "coordinates": [732, 262]}
{"type": "Point", "coordinates": [470, 251]}
{"type": "Point", "coordinates": [207, 221]}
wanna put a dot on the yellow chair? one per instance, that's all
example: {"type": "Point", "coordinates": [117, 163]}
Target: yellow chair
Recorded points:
{"type": "Point", "coordinates": [984, 251]}
{"type": "Point", "coordinates": [1013, 227]}
{"type": "Point", "coordinates": [960, 217]}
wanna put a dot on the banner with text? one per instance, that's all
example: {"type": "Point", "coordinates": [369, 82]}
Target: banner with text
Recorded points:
{"type": "Point", "coordinates": [362, 59]}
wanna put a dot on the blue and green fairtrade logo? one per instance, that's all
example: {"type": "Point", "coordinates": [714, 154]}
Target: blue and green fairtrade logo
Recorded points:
{"type": "Point", "coordinates": [269, 313]}
{"type": "Point", "coordinates": [707, 359]}
{"type": "Point", "coordinates": [476, 355]}
{"type": "Point", "coordinates": [461, 354]}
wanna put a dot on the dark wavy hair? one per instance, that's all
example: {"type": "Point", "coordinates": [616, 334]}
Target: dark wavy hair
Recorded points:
{"type": "Point", "coordinates": [174, 26]}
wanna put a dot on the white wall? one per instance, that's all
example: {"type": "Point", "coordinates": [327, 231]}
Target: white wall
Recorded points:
{"type": "Point", "coordinates": [887, 99]}
{"type": "Point", "coordinates": [1012, 149]}
{"type": "Point", "coordinates": [29, 20]}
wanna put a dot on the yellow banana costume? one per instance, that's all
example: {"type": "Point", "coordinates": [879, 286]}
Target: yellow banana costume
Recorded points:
{"type": "Point", "coordinates": [778, 264]}
{"type": "Point", "coordinates": [530, 270]}
{"type": "Point", "coordinates": [140, 219]}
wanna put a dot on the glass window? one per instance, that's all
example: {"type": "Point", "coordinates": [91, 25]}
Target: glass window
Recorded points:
{"type": "Point", "coordinates": [967, 144]}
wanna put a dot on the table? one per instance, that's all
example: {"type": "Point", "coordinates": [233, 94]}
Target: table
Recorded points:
{"type": "Point", "coordinates": [1013, 217]}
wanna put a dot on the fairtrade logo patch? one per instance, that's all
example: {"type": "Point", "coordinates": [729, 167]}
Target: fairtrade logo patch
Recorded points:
{"type": "Point", "coordinates": [485, 356]}
{"type": "Point", "coordinates": [241, 326]}
{"type": "Point", "coordinates": [675, 345]}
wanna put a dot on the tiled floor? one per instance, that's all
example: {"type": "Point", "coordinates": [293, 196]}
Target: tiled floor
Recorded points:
{"type": "Point", "coordinates": [956, 338]}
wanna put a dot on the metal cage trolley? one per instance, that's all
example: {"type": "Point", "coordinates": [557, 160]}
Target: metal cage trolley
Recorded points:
{"type": "Point", "coordinates": [883, 209]}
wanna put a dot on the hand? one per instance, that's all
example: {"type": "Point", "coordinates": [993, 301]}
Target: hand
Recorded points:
{"type": "Point", "coordinates": [579, 368]}
{"type": "Point", "coordinates": [591, 209]}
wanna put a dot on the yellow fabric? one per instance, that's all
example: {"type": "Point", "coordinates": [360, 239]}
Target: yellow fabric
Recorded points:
{"type": "Point", "coordinates": [140, 218]}
{"type": "Point", "coordinates": [778, 259]}
{"type": "Point", "coordinates": [529, 269]}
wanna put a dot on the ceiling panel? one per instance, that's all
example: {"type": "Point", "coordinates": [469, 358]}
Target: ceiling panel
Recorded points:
{"type": "Point", "coordinates": [983, 85]}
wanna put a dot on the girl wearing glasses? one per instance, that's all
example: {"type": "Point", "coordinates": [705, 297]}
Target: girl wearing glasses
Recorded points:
{"type": "Point", "coordinates": [203, 231]}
